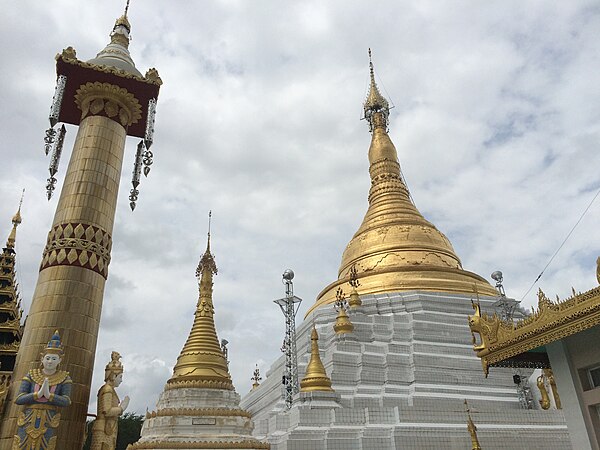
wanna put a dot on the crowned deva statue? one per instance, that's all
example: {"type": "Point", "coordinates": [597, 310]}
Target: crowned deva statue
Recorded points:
{"type": "Point", "coordinates": [104, 430]}
{"type": "Point", "coordinates": [43, 392]}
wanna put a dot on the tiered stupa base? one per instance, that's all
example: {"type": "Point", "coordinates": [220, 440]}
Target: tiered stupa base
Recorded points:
{"type": "Point", "coordinates": [178, 423]}
{"type": "Point", "coordinates": [401, 378]}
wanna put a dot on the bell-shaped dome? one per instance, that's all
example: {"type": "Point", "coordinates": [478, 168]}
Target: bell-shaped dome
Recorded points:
{"type": "Point", "coordinates": [116, 53]}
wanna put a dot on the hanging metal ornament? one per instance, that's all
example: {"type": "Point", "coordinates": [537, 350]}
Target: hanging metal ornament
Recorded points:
{"type": "Point", "coordinates": [59, 91]}
{"type": "Point", "coordinates": [54, 161]}
{"type": "Point", "coordinates": [57, 99]}
{"type": "Point", "coordinates": [49, 140]}
{"type": "Point", "coordinates": [147, 160]}
{"type": "Point", "coordinates": [137, 172]}
{"type": "Point", "coordinates": [150, 118]}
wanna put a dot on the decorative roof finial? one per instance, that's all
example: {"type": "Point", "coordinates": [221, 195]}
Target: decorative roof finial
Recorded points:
{"type": "Point", "coordinates": [16, 221]}
{"type": "Point", "coordinates": [376, 107]}
{"type": "Point", "coordinates": [209, 221]}
{"type": "Point", "coordinates": [207, 261]}
{"type": "Point", "coordinates": [256, 378]}
{"type": "Point", "coordinates": [118, 35]}
{"type": "Point", "coordinates": [354, 298]}
{"type": "Point", "coordinates": [316, 378]}
{"type": "Point", "coordinates": [342, 323]}
{"type": "Point", "coordinates": [472, 429]}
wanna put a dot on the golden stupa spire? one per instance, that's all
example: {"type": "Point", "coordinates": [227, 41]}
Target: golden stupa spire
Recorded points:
{"type": "Point", "coordinates": [316, 378]}
{"type": "Point", "coordinates": [117, 36]}
{"type": "Point", "coordinates": [201, 361]}
{"type": "Point", "coordinates": [16, 221]}
{"type": "Point", "coordinates": [116, 53]}
{"type": "Point", "coordinates": [375, 103]}
{"type": "Point", "coordinates": [472, 429]}
{"type": "Point", "coordinates": [396, 248]}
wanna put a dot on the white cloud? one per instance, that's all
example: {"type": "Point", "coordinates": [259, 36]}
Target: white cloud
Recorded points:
{"type": "Point", "coordinates": [496, 123]}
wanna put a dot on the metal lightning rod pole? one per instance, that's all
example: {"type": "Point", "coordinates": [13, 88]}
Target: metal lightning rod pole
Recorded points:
{"type": "Point", "coordinates": [289, 307]}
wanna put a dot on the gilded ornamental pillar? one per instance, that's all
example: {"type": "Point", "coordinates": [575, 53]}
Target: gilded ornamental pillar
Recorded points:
{"type": "Point", "coordinates": [108, 99]}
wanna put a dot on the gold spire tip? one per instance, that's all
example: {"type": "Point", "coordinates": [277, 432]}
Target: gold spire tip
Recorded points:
{"type": "Point", "coordinates": [207, 260]}
{"type": "Point", "coordinates": [123, 21]}
{"type": "Point", "coordinates": [209, 221]}
{"type": "Point", "coordinates": [16, 220]}
{"type": "Point", "coordinates": [376, 106]}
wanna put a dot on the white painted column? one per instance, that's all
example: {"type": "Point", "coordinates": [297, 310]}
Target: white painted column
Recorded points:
{"type": "Point", "coordinates": [567, 380]}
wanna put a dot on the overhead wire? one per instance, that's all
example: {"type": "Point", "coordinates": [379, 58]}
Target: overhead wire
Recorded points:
{"type": "Point", "coordinates": [562, 244]}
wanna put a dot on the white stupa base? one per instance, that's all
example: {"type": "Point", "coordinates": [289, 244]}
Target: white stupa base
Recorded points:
{"type": "Point", "coordinates": [198, 418]}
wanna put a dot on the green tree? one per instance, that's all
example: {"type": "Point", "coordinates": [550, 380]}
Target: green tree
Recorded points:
{"type": "Point", "coordinates": [130, 426]}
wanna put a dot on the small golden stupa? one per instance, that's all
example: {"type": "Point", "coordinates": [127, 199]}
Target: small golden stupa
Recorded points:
{"type": "Point", "coordinates": [354, 301]}
{"type": "Point", "coordinates": [201, 362]}
{"type": "Point", "coordinates": [316, 378]}
{"type": "Point", "coordinates": [342, 324]}
{"type": "Point", "coordinates": [200, 392]}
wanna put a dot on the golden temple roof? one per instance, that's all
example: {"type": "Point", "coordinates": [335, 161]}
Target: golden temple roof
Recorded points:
{"type": "Point", "coordinates": [201, 362]}
{"type": "Point", "coordinates": [396, 248]}
{"type": "Point", "coordinates": [506, 344]}
{"type": "Point", "coordinates": [316, 378]}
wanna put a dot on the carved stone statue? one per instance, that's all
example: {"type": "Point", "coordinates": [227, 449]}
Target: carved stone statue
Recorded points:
{"type": "Point", "coordinates": [43, 392]}
{"type": "Point", "coordinates": [104, 430]}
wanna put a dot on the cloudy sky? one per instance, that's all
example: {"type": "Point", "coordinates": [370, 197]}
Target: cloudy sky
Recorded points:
{"type": "Point", "coordinates": [496, 122]}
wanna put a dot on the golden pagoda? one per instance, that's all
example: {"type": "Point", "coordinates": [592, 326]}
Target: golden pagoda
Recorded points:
{"type": "Point", "coordinates": [200, 392]}
{"type": "Point", "coordinates": [316, 378]}
{"type": "Point", "coordinates": [396, 248]}
{"type": "Point", "coordinates": [201, 362]}
{"type": "Point", "coordinates": [11, 329]}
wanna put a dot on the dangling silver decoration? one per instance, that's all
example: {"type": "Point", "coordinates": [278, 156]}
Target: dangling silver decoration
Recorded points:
{"type": "Point", "coordinates": [150, 118]}
{"type": "Point", "coordinates": [61, 83]}
{"type": "Point", "coordinates": [59, 92]}
{"type": "Point", "coordinates": [54, 161]}
{"type": "Point", "coordinates": [49, 140]}
{"type": "Point", "coordinates": [147, 162]}
{"type": "Point", "coordinates": [137, 172]}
